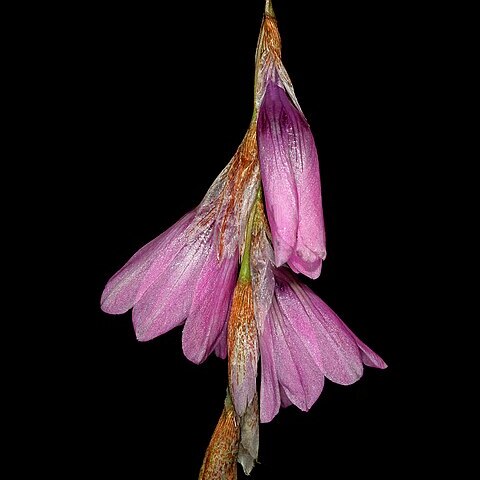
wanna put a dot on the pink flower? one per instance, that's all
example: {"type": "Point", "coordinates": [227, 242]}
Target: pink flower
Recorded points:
{"type": "Point", "coordinates": [302, 341]}
{"type": "Point", "coordinates": [288, 161]}
{"type": "Point", "coordinates": [177, 277]}
{"type": "Point", "coordinates": [291, 183]}
{"type": "Point", "coordinates": [188, 273]}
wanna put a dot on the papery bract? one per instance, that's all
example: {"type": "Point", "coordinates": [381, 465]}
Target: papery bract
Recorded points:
{"type": "Point", "coordinates": [220, 461]}
{"type": "Point", "coordinates": [249, 437]}
{"type": "Point", "coordinates": [242, 348]}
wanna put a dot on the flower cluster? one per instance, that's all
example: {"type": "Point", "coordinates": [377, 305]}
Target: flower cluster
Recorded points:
{"type": "Point", "coordinates": [225, 271]}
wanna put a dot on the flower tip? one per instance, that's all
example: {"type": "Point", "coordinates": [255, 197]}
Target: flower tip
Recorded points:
{"type": "Point", "coordinates": [380, 364]}
{"type": "Point", "coordinates": [310, 269]}
{"type": "Point", "coordinates": [141, 337]}
{"type": "Point", "coordinates": [109, 305]}
{"type": "Point", "coordinates": [142, 334]}
{"type": "Point", "coordinates": [104, 306]}
{"type": "Point", "coordinates": [196, 356]}
{"type": "Point", "coordinates": [246, 461]}
{"type": "Point", "coordinates": [282, 252]}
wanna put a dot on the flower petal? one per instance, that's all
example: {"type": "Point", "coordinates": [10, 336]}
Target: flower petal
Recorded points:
{"type": "Point", "coordinates": [310, 248]}
{"type": "Point", "coordinates": [269, 387]}
{"type": "Point", "coordinates": [274, 134]}
{"type": "Point", "coordinates": [297, 372]}
{"type": "Point", "coordinates": [310, 268]}
{"type": "Point", "coordinates": [221, 345]}
{"type": "Point", "coordinates": [284, 400]}
{"type": "Point", "coordinates": [167, 302]}
{"type": "Point", "coordinates": [128, 285]}
{"type": "Point", "coordinates": [369, 357]}
{"type": "Point", "coordinates": [291, 180]}
{"type": "Point", "coordinates": [210, 307]}
{"type": "Point", "coordinates": [335, 349]}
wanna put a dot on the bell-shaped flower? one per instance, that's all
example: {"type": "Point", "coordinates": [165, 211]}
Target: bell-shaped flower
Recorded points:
{"type": "Point", "coordinates": [176, 277]}
{"type": "Point", "coordinates": [302, 341]}
{"type": "Point", "coordinates": [288, 162]}
{"type": "Point", "coordinates": [291, 183]}
{"type": "Point", "coordinates": [188, 273]}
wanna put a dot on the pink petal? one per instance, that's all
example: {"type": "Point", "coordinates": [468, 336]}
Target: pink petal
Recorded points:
{"type": "Point", "coordinates": [310, 248]}
{"type": "Point", "coordinates": [297, 372]}
{"type": "Point", "coordinates": [310, 268]}
{"type": "Point", "coordinates": [291, 181]}
{"type": "Point", "coordinates": [335, 349]}
{"type": "Point", "coordinates": [210, 307]}
{"type": "Point", "coordinates": [284, 400]}
{"type": "Point", "coordinates": [167, 302]}
{"type": "Point", "coordinates": [221, 345]}
{"type": "Point", "coordinates": [269, 387]}
{"type": "Point", "coordinates": [128, 285]}
{"type": "Point", "coordinates": [278, 179]}
{"type": "Point", "coordinates": [369, 357]}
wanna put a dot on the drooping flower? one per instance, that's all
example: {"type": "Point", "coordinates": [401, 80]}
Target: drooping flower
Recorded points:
{"type": "Point", "coordinates": [288, 162]}
{"type": "Point", "coordinates": [302, 341]}
{"type": "Point", "coordinates": [291, 183]}
{"type": "Point", "coordinates": [188, 273]}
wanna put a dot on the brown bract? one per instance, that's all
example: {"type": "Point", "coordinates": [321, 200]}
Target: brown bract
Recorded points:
{"type": "Point", "coordinates": [242, 169]}
{"type": "Point", "coordinates": [220, 460]}
{"type": "Point", "coordinates": [242, 334]}
{"type": "Point", "coordinates": [268, 54]}
{"type": "Point", "coordinates": [269, 39]}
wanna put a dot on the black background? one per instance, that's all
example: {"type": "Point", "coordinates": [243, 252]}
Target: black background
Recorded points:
{"type": "Point", "coordinates": [161, 98]}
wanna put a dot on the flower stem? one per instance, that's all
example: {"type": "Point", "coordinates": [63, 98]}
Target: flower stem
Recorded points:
{"type": "Point", "coordinates": [245, 273]}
